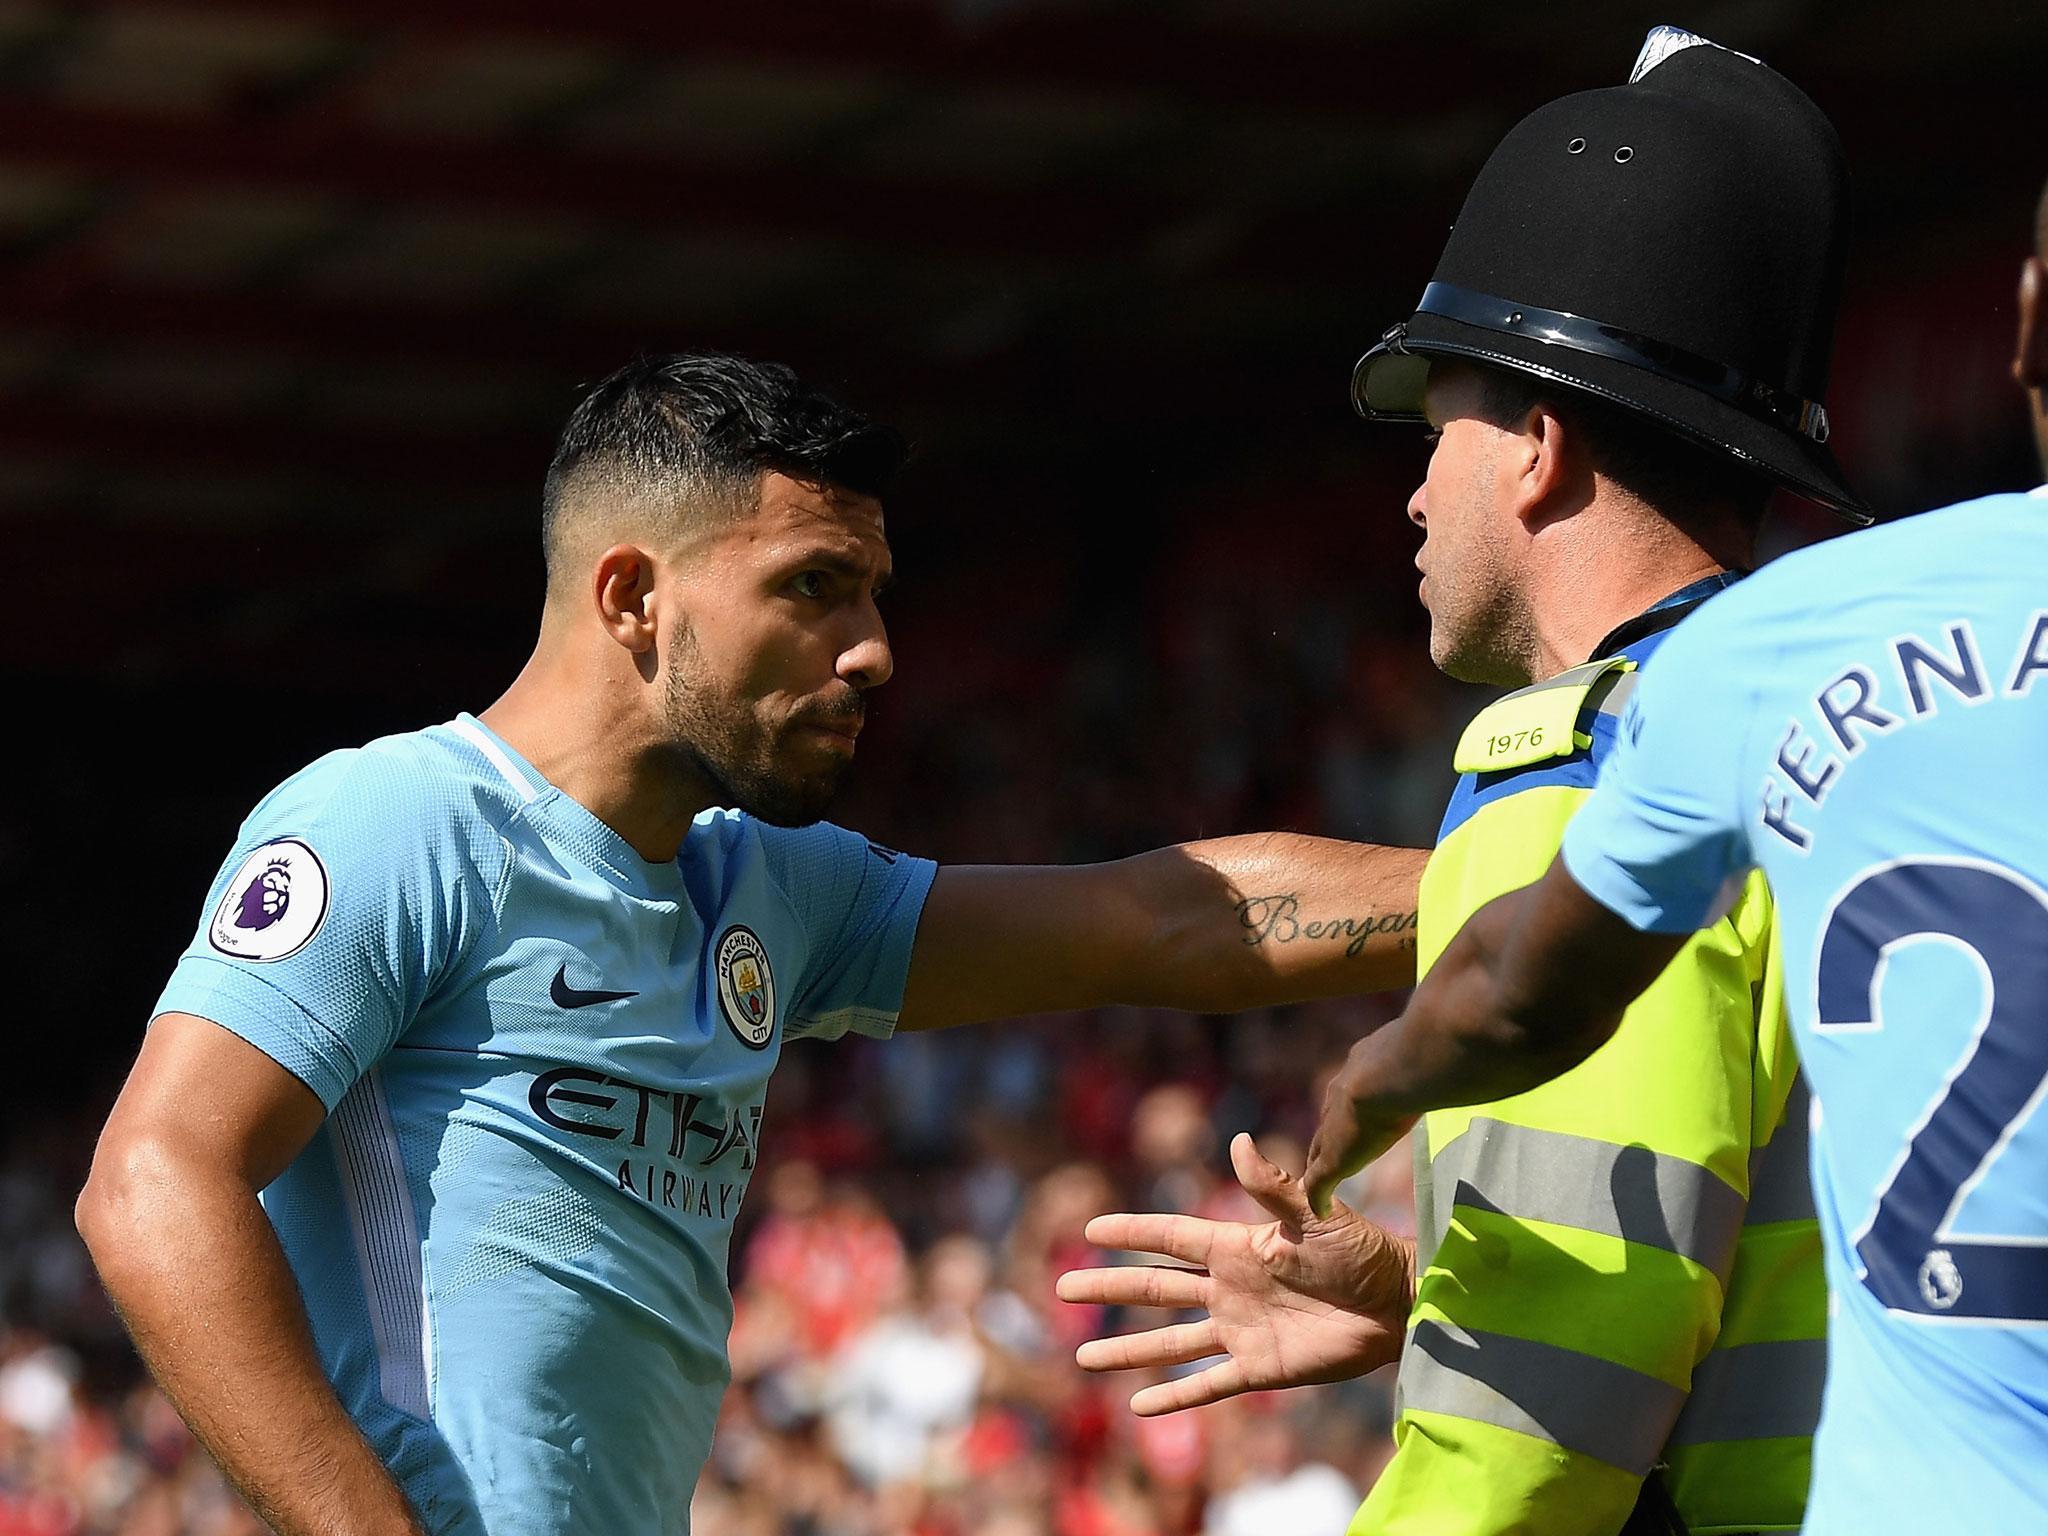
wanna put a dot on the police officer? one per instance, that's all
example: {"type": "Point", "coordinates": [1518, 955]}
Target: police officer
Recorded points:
{"type": "Point", "coordinates": [1618, 1309]}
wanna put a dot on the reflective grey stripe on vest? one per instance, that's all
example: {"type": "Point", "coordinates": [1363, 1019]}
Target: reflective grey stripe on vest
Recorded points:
{"type": "Point", "coordinates": [1571, 677]}
{"type": "Point", "coordinates": [1574, 1181]}
{"type": "Point", "coordinates": [1582, 1403]}
{"type": "Point", "coordinates": [1755, 1392]}
{"type": "Point", "coordinates": [1607, 685]}
{"type": "Point", "coordinates": [1611, 694]}
{"type": "Point", "coordinates": [1429, 1232]}
{"type": "Point", "coordinates": [1780, 1182]}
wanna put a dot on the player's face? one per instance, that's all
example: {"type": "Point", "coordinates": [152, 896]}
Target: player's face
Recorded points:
{"type": "Point", "coordinates": [1468, 552]}
{"type": "Point", "coordinates": [777, 644]}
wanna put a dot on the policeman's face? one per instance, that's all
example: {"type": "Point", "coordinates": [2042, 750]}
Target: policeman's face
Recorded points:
{"type": "Point", "coordinates": [1468, 557]}
{"type": "Point", "coordinates": [778, 643]}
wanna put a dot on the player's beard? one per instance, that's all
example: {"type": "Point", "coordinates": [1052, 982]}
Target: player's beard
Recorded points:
{"type": "Point", "coordinates": [719, 737]}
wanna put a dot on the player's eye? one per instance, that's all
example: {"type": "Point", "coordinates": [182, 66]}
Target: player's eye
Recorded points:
{"type": "Point", "coordinates": [809, 584]}
{"type": "Point", "coordinates": [1432, 437]}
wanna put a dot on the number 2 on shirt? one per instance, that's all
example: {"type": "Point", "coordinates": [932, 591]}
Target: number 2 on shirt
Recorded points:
{"type": "Point", "coordinates": [1913, 1262]}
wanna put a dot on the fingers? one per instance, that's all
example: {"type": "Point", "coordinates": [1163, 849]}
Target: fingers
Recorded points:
{"type": "Point", "coordinates": [1135, 1285]}
{"type": "Point", "coordinates": [1320, 1183]}
{"type": "Point", "coordinates": [1268, 1183]}
{"type": "Point", "coordinates": [1224, 1379]}
{"type": "Point", "coordinates": [1332, 1160]}
{"type": "Point", "coordinates": [1187, 1238]}
{"type": "Point", "coordinates": [1176, 1345]}
{"type": "Point", "coordinates": [1337, 1151]}
{"type": "Point", "coordinates": [1324, 1173]}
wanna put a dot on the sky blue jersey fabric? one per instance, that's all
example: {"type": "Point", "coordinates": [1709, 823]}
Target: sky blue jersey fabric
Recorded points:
{"type": "Point", "coordinates": [545, 1061]}
{"type": "Point", "coordinates": [1868, 721]}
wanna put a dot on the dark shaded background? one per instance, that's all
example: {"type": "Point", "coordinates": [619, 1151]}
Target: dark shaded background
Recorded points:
{"type": "Point", "coordinates": [294, 294]}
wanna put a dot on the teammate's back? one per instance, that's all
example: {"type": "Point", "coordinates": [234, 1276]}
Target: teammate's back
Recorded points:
{"type": "Point", "coordinates": [1881, 706]}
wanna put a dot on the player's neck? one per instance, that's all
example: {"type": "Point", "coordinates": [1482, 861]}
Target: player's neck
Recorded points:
{"type": "Point", "coordinates": [593, 744]}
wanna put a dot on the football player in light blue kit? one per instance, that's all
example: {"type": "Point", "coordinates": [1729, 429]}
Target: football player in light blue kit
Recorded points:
{"type": "Point", "coordinates": [486, 1012]}
{"type": "Point", "coordinates": [1867, 721]}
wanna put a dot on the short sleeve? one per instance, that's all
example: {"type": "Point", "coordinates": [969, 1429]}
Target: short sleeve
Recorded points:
{"type": "Point", "coordinates": [346, 896]}
{"type": "Point", "coordinates": [859, 903]}
{"type": "Point", "coordinates": [1662, 841]}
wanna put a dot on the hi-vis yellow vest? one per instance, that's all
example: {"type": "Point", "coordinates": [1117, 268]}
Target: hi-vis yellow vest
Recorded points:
{"type": "Point", "coordinates": [1620, 1270]}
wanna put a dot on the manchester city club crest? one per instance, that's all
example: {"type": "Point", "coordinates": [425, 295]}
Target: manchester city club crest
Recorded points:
{"type": "Point", "coordinates": [746, 986]}
{"type": "Point", "coordinates": [274, 903]}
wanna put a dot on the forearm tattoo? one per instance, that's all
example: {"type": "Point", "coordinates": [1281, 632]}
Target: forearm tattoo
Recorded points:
{"type": "Point", "coordinates": [1277, 919]}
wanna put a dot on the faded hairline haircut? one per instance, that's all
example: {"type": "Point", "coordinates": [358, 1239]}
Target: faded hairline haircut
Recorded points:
{"type": "Point", "coordinates": [698, 430]}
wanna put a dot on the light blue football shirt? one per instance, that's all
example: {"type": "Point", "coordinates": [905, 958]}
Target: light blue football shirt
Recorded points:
{"type": "Point", "coordinates": [545, 1061]}
{"type": "Point", "coordinates": [1867, 720]}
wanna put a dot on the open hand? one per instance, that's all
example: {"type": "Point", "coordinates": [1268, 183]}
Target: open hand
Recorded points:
{"type": "Point", "coordinates": [1294, 1301]}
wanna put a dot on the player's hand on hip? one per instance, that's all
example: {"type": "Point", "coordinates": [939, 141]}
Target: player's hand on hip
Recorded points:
{"type": "Point", "coordinates": [1351, 1133]}
{"type": "Point", "coordinates": [1290, 1302]}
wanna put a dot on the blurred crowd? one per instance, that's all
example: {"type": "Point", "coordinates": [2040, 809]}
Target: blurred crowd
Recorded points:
{"type": "Point", "coordinates": [901, 1363]}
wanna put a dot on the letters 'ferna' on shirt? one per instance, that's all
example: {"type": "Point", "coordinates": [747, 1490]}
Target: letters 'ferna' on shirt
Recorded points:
{"type": "Point", "coordinates": [1867, 721]}
{"type": "Point", "coordinates": [1619, 1270]}
{"type": "Point", "coordinates": [545, 1060]}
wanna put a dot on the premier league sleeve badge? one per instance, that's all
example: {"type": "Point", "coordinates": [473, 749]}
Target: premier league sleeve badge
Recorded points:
{"type": "Point", "coordinates": [273, 904]}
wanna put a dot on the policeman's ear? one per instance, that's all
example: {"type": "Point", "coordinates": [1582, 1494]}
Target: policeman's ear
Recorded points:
{"type": "Point", "coordinates": [622, 586]}
{"type": "Point", "coordinates": [1549, 461]}
{"type": "Point", "coordinates": [2030, 357]}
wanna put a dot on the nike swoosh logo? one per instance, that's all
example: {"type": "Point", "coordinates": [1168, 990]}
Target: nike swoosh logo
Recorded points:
{"type": "Point", "coordinates": [566, 996]}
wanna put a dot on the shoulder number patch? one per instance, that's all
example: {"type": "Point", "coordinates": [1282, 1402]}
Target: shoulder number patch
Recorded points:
{"type": "Point", "coordinates": [746, 986]}
{"type": "Point", "coordinates": [1534, 724]}
{"type": "Point", "coordinates": [274, 904]}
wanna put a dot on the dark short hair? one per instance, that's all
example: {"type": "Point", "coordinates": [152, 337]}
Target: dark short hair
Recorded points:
{"type": "Point", "coordinates": [709, 424]}
{"type": "Point", "coordinates": [1685, 482]}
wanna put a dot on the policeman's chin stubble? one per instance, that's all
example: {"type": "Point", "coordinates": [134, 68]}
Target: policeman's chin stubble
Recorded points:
{"type": "Point", "coordinates": [1481, 629]}
{"type": "Point", "coordinates": [1482, 658]}
{"type": "Point", "coordinates": [1486, 642]}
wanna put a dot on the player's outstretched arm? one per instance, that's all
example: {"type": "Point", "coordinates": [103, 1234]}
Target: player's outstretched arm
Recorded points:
{"type": "Point", "coordinates": [1533, 983]}
{"type": "Point", "coordinates": [1215, 926]}
{"type": "Point", "coordinates": [170, 1215]}
{"type": "Point", "coordinates": [1298, 1300]}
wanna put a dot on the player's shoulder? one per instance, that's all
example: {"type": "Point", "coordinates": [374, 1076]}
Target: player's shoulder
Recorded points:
{"type": "Point", "coordinates": [1966, 537]}
{"type": "Point", "coordinates": [818, 866]}
{"type": "Point", "coordinates": [723, 833]}
{"type": "Point", "coordinates": [425, 788]}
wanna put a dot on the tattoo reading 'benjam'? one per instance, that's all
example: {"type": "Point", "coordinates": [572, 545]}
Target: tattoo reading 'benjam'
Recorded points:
{"type": "Point", "coordinates": [1278, 920]}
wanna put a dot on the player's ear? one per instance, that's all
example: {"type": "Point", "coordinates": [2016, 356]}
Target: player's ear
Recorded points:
{"type": "Point", "coordinates": [2030, 356]}
{"type": "Point", "coordinates": [622, 586]}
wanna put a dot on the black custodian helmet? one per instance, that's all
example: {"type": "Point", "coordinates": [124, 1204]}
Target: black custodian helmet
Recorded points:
{"type": "Point", "coordinates": [1673, 245]}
